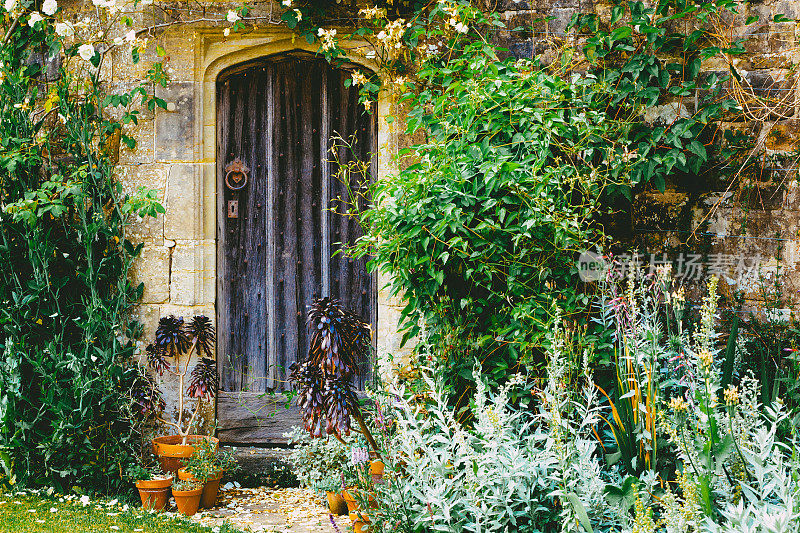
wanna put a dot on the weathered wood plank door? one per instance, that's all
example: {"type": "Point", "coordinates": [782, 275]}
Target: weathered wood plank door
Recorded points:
{"type": "Point", "coordinates": [277, 237]}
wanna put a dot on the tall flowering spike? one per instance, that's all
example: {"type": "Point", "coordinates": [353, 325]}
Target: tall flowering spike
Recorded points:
{"type": "Point", "coordinates": [201, 329]}
{"type": "Point", "coordinates": [156, 360]}
{"type": "Point", "coordinates": [204, 379]}
{"type": "Point", "coordinates": [172, 338]}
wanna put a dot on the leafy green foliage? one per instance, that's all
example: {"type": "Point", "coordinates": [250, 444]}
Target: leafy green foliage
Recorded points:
{"type": "Point", "coordinates": [314, 459]}
{"type": "Point", "coordinates": [208, 460]}
{"type": "Point", "coordinates": [65, 294]}
{"type": "Point", "coordinates": [648, 59]}
{"type": "Point", "coordinates": [480, 231]}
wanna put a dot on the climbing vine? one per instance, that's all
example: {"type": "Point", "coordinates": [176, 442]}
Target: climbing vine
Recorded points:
{"type": "Point", "coordinates": [67, 385]}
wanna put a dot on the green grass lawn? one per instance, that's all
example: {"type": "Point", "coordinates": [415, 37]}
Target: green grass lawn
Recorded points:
{"type": "Point", "coordinates": [29, 512]}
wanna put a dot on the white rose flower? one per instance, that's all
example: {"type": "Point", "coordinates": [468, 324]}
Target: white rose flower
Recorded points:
{"type": "Point", "coordinates": [130, 36]}
{"type": "Point", "coordinates": [64, 29]}
{"type": "Point", "coordinates": [226, 32]}
{"type": "Point", "coordinates": [286, 3]}
{"type": "Point", "coordinates": [118, 41]}
{"type": "Point", "coordinates": [233, 16]}
{"type": "Point", "coordinates": [86, 51]}
{"type": "Point", "coordinates": [49, 7]}
{"type": "Point", "coordinates": [35, 17]}
{"type": "Point", "coordinates": [10, 5]}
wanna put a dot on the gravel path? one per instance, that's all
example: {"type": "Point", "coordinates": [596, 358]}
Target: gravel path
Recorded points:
{"type": "Point", "coordinates": [271, 511]}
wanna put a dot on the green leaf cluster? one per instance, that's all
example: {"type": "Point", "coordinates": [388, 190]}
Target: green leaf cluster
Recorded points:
{"type": "Point", "coordinates": [66, 337]}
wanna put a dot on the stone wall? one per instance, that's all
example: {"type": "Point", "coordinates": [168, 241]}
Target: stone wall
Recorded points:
{"type": "Point", "coordinates": [176, 155]}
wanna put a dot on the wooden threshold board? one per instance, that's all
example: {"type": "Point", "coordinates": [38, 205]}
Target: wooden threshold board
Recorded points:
{"type": "Point", "coordinates": [255, 418]}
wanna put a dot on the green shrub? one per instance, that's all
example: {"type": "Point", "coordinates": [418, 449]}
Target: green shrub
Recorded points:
{"type": "Point", "coordinates": [517, 162]}
{"type": "Point", "coordinates": [314, 459]}
{"type": "Point", "coordinates": [66, 377]}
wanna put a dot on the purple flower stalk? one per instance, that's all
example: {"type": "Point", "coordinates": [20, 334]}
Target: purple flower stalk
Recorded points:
{"type": "Point", "coordinates": [333, 523]}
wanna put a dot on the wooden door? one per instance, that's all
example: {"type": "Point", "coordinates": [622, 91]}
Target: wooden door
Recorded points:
{"type": "Point", "coordinates": [277, 237]}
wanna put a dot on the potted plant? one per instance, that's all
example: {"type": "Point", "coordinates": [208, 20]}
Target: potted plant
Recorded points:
{"type": "Point", "coordinates": [359, 520]}
{"type": "Point", "coordinates": [187, 494]}
{"type": "Point", "coordinates": [331, 487]}
{"type": "Point", "coordinates": [153, 485]}
{"type": "Point", "coordinates": [328, 403]}
{"type": "Point", "coordinates": [175, 344]}
{"type": "Point", "coordinates": [207, 465]}
{"type": "Point", "coordinates": [339, 340]}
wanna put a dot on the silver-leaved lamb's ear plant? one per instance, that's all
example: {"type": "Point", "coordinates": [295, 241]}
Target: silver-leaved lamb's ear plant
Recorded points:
{"type": "Point", "coordinates": [510, 471]}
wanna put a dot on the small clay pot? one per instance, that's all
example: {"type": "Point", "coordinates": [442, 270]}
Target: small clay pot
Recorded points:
{"type": "Point", "coordinates": [188, 501]}
{"type": "Point", "coordinates": [210, 488]}
{"type": "Point", "coordinates": [360, 521]}
{"type": "Point", "coordinates": [172, 455]}
{"type": "Point", "coordinates": [353, 503]}
{"type": "Point", "coordinates": [376, 469]}
{"type": "Point", "coordinates": [336, 504]}
{"type": "Point", "coordinates": [154, 492]}
{"type": "Point", "coordinates": [349, 499]}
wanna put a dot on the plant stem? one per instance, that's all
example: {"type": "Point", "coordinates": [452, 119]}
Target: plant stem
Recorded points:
{"type": "Point", "coordinates": [356, 412]}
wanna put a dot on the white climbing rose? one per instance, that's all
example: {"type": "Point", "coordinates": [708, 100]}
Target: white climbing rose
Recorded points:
{"type": "Point", "coordinates": [86, 51]}
{"type": "Point", "coordinates": [35, 17]}
{"type": "Point", "coordinates": [233, 16]}
{"type": "Point", "coordinates": [10, 5]}
{"type": "Point", "coordinates": [49, 7]}
{"type": "Point", "coordinates": [130, 36]}
{"type": "Point", "coordinates": [64, 29]}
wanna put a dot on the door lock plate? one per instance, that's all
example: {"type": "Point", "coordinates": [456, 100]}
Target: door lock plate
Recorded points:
{"type": "Point", "coordinates": [233, 208]}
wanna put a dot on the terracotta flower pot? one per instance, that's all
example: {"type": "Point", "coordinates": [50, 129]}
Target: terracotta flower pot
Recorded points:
{"type": "Point", "coordinates": [154, 492]}
{"type": "Point", "coordinates": [210, 488]}
{"type": "Point", "coordinates": [360, 521]}
{"type": "Point", "coordinates": [349, 496]}
{"type": "Point", "coordinates": [336, 504]}
{"type": "Point", "coordinates": [172, 455]}
{"type": "Point", "coordinates": [349, 499]}
{"type": "Point", "coordinates": [376, 469]}
{"type": "Point", "coordinates": [188, 501]}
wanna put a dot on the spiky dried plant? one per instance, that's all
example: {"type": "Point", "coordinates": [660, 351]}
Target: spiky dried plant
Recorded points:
{"type": "Point", "coordinates": [339, 340]}
{"type": "Point", "coordinates": [146, 397]}
{"type": "Point", "coordinates": [156, 359]}
{"type": "Point", "coordinates": [174, 338]}
{"type": "Point", "coordinates": [340, 400]}
{"type": "Point", "coordinates": [309, 382]}
{"type": "Point", "coordinates": [204, 379]}
{"type": "Point", "coordinates": [202, 331]}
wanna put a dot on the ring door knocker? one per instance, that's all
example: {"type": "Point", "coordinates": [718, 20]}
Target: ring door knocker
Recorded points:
{"type": "Point", "coordinates": [235, 180]}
